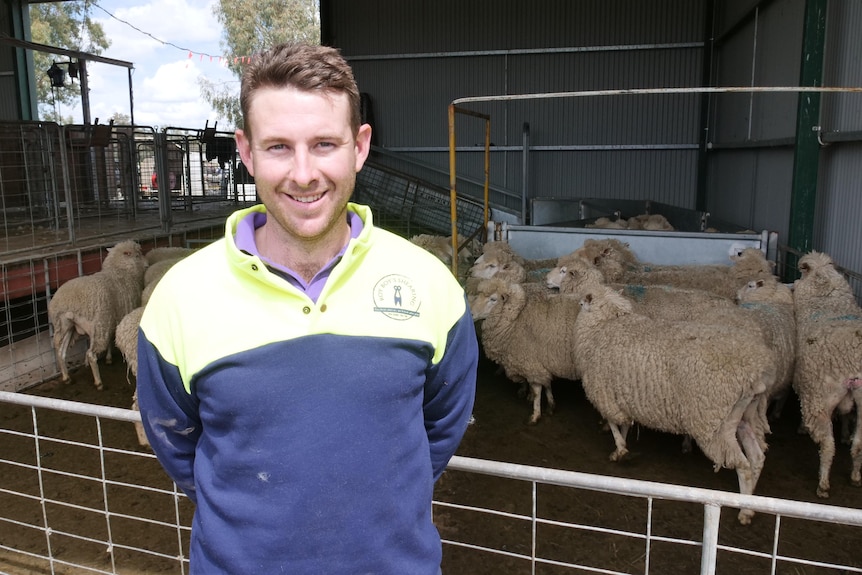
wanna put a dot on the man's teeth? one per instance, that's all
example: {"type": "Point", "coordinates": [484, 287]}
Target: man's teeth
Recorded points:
{"type": "Point", "coordinates": [307, 199]}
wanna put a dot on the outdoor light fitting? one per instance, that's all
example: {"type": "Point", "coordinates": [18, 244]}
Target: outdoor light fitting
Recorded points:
{"type": "Point", "coordinates": [57, 75]}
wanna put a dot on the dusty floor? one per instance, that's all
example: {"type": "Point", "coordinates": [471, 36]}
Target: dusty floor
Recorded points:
{"type": "Point", "coordinates": [571, 439]}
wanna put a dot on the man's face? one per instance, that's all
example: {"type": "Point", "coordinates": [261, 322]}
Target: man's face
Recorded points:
{"type": "Point", "coordinates": [304, 159]}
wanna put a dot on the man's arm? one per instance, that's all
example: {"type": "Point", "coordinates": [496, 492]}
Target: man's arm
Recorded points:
{"type": "Point", "coordinates": [450, 391]}
{"type": "Point", "coordinates": [169, 415]}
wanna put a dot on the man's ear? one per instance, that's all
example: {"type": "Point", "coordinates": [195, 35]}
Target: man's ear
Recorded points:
{"type": "Point", "coordinates": [363, 145]}
{"type": "Point", "coordinates": [243, 147]}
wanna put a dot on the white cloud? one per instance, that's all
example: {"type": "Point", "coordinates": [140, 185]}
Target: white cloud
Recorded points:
{"type": "Point", "coordinates": [164, 79]}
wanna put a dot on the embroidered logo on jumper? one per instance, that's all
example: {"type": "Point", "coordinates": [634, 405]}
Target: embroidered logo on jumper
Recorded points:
{"type": "Point", "coordinates": [396, 298]}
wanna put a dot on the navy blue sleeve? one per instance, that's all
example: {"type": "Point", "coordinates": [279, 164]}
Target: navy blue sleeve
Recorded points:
{"type": "Point", "coordinates": [169, 415]}
{"type": "Point", "coordinates": [450, 391]}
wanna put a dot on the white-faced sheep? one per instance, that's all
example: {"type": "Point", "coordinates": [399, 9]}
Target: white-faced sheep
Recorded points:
{"type": "Point", "coordinates": [502, 252]}
{"type": "Point", "coordinates": [531, 337]}
{"type": "Point", "coordinates": [677, 377]}
{"type": "Point", "coordinates": [499, 264]}
{"type": "Point", "coordinates": [615, 262]}
{"type": "Point", "coordinates": [770, 303]}
{"type": "Point", "coordinates": [440, 246]}
{"type": "Point", "coordinates": [611, 256]}
{"type": "Point", "coordinates": [663, 302]}
{"type": "Point", "coordinates": [167, 253]}
{"type": "Point", "coordinates": [93, 305]}
{"type": "Point", "coordinates": [828, 374]}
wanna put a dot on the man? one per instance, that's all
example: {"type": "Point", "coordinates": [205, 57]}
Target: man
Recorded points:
{"type": "Point", "coordinates": [306, 379]}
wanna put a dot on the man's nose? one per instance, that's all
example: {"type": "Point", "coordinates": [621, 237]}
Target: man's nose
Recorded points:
{"type": "Point", "coordinates": [303, 171]}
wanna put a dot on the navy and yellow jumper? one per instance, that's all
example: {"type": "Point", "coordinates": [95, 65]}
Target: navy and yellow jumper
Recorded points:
{"type": "Point", "coordinates": [309, 433]}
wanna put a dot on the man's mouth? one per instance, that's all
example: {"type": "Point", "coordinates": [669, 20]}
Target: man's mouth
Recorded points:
{"type": "Point", "coordinates": [307, 199]}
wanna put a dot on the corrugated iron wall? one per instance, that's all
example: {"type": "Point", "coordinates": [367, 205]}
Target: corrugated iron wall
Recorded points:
{"type": "Point", "coordinates": [415, 58]}
{"type": "Point", "coordinates": [839, 191]}
{"type": "Point", "coordinates": [749, 174]}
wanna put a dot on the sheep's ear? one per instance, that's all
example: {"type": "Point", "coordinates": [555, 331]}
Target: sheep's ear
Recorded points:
{"type": "Point", "coordinates": [758, 283]}
{"type": "Point", "coordinates": [804, 267]}
{"type": "Point", "coordinates": [588, 298]}
{"type": "Point", "coordinates": [596, 260]}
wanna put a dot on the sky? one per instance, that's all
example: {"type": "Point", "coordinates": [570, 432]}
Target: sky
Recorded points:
{"type": "Point", "coordinates": [162, 35]}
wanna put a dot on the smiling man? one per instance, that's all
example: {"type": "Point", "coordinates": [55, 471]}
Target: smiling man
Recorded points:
{"type": "Point", "coordinates": [306, 379]}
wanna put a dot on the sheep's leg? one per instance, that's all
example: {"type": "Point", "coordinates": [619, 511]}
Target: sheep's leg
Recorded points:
{"type": "Point", "coordinates": [92, 360]}
{"type": "Point", "coordinates": [821, 432]}
{"type": "Point", "coordinates": [744, 476]}
{"type": "Point", "coordinates": [686, 443]}
{"type": "Point", "coordinates": [777, 403]}
{"type": "Point", "coordinates": [756, 458]}
{"type": "Point", "coordinates": [619, 432]}
{"type": "Point", "coordinates": [755, 417]}
{"type": "Point", "coordinates": [856, 443]}
{"type": "Point", "coordinates": [549, 395]}
{"type": "Point", "coordinates": [62, 338]}
{"type": "Point", "coordinates": [139, 427]}
{"type": "Point", "coordinates": [536, 391]}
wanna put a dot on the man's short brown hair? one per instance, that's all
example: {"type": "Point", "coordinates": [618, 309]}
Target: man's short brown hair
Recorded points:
{"type": "Point", "coordinates": [305, 67]}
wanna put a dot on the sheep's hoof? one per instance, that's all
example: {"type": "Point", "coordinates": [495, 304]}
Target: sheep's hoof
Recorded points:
{"type": "Point", "coordinates": [620, 455]}
{"type": "Point", "coordinates": [745, 516]}
{"type": "Point", "coordinates": [533, 420]}
{"type": "Point", "coordinates": [856, 480]}
{"type": "Point", "coordinates": [823, 492]}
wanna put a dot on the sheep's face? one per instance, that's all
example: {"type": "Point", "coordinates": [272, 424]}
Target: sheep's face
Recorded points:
{"type": "Point", "coordinates": [746, 292]}
{"type": "Point", "coordinates": [485, 268]}
{"type": "Point", "coordinates": [555, 277]}
{"type": "Point", "coordinates": [482, 304]}
{"type": "Point", "coordinates": [820, 277]}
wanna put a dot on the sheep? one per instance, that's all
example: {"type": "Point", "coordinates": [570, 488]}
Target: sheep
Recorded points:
{"type": "Point", "coordinates": [156, 270]}
{"type": "Point", "coordinates": [618, 264]}
{"type": "Point", "coordinates": [167, 253]}
{"type": "Point", "coordinates": [501, 264]}
{"type": "Point", "coordinates": [770, 303]}
{"type": "Point", "coordinates": [660, 301]}
{"type": "Point", "coordinates": [828, 373]}
{"type": "Point", "coordinates": [655, 222]}
{"type": "Point", "coordinates": [677, 377]}
{"type": "Point", "coordinates": [611, 256]}
{"type": "Point", "coordinates": [93, 306]}
{"type": "Point", "coordinates": [606, 223]}
{"type": "Point", "coordinates": [503, 252]}
{"type": "Point", "coordinates": [667, 303]}
{"type": "Point", "coordinates": [441, 246]}
{"type": "Point", "coordinates": [530, 337]}
{"type": "Point", "coordinates": [126, 339]}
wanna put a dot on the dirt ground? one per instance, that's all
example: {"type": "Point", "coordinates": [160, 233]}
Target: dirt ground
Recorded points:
{"type": "Point", "coordinates": [570, 439]}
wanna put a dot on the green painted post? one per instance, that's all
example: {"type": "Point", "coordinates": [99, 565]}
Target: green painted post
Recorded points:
{"type": "Point", "coordinates": [807, 150]}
